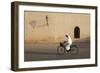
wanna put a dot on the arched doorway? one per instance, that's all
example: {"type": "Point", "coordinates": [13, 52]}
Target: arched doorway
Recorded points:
{"type": "Point", "coordinates": [76, 32]}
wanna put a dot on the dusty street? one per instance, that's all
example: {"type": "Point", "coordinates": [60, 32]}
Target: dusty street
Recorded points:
{"type": "Point", "coordinates": [39, 52]}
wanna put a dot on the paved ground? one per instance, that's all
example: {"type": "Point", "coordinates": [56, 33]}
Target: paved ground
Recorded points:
{"type": "Point", "coordinates": [38, 52]}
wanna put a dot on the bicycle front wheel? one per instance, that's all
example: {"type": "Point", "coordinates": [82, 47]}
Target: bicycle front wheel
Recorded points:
{"type": "Point", "coordinates": [60, 50]}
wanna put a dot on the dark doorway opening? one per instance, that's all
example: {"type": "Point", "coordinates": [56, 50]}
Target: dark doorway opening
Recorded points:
{"type": "Point", "coordinates": [76, 32]}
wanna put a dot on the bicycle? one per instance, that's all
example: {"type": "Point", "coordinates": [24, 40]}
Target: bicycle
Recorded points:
{"type": "Point", "coordinates": [61, 49]}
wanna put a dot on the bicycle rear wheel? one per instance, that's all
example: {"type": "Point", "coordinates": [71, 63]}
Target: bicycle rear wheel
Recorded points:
{"type": "Point", "coordinates": [74, 50]}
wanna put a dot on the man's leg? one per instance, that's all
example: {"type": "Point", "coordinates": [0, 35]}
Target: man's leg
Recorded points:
{"type": "Point", "coordinates": [68, 47]}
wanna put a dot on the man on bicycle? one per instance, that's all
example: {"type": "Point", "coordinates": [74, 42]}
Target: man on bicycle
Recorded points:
{"type": "Point", "coordinates": [67, 42]}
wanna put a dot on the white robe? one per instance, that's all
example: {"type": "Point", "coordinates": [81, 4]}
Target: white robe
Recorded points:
{"type": "Point", "coordinates": [69, 42]}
